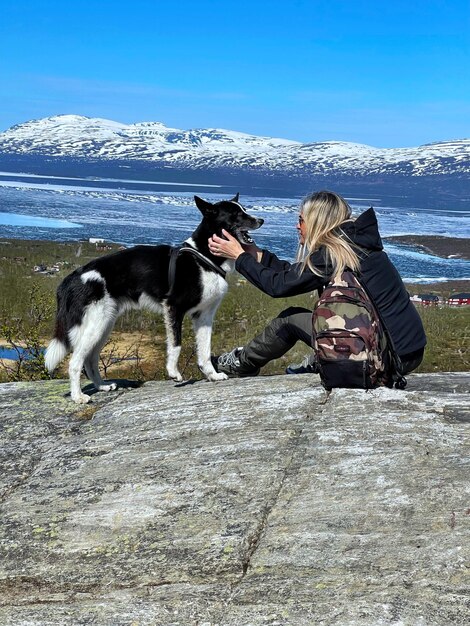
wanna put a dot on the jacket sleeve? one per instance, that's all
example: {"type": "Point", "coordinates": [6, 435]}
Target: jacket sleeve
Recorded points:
{"type": "Point", "coordinates": [269, 259]}
{"type": "Point", "coordinates": [281, 279]}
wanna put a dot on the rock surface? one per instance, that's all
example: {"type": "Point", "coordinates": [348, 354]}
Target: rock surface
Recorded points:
{"type": "Point", "coordinates": [250, 502]}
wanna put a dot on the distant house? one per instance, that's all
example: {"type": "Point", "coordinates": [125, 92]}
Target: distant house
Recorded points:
{"type": "Point", "coordinates": [95, 240]}
{"type": "Point", "coordinates": [459, 299]}
{"type": "Point", "coordinates": [428, 299]}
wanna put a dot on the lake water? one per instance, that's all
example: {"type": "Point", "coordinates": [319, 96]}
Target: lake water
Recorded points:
{"type": "Point", "coordinates": [66, 209]}
{"type": "Point", "coordinates": [9, 353]}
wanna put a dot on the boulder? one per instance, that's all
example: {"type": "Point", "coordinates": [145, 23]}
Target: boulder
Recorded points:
{"type": "Point", "coordinates": [259, 501]}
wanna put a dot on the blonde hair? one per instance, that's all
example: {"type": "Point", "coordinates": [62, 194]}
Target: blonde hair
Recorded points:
{"type": "Point", "coordinates": [323, 213]}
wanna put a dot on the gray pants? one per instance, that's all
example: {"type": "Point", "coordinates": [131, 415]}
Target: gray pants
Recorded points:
{"type": "Point", "coordinates": [279, 336]}
{"type": "Point", "coordinates": [282, 333]}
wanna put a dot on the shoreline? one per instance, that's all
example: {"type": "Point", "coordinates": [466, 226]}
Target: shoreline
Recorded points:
{"type": "Point", "coordinates": [437, 245]}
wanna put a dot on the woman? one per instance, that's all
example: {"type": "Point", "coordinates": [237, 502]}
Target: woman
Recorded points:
{"type": "Point", "coordinates": [330, 241]}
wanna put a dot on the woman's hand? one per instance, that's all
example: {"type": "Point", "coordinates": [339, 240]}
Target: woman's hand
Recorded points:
{"type": "Point", "coordinates": [229, 248]}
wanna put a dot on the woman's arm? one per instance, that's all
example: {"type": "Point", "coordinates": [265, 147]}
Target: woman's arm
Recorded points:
{"type": "Point", "coordinates": [279, 280]}
{"type": "Point", "coordinates": [231, 248]}
{"type": "Point", "coordinates": [269, 259]}
{"type": "Point", "coordinates": [278, 283]}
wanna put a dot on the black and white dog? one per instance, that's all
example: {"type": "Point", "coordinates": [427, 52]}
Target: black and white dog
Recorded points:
{"type": "Point", "coordinates": [172, 281]}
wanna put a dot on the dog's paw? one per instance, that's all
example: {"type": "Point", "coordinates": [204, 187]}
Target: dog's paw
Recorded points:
{"type": "Point", "coordinates": [110, 387]}
{"type": "Point", "coordinates": [217, 376]}
{"type": "Point", "coordinates": [176, 376]}
{"type": "Point", "coordinates": [81, 398]}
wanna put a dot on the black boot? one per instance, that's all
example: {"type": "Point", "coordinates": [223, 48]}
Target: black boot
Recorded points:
{"type": "Point", "coordinates": [229, 363]}
{"type": "Point", "coordinates": [274, 341]}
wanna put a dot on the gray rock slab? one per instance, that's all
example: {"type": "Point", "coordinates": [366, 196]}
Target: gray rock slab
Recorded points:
{"type": "Point", "coordinates": [247, 502]}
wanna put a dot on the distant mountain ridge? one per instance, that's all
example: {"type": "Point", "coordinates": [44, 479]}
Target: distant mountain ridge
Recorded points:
{"type": "Point", "coordinates": [83, 137]}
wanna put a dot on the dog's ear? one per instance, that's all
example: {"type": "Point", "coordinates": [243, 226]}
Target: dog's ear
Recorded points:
{"type": "Point", "coordinates": [204, 206]}
{"type": "Point", "coordinates": [235, 198]}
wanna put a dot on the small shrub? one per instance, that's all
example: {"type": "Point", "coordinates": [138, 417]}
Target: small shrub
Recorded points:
{"type": "Point", "coordinates": [24, 336]}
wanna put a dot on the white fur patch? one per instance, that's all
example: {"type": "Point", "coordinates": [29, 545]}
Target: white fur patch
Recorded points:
{"type": "Point", "coordinates": [127, 305]}
{"type": "Point", "coordinates": [173, 354]}
{"type": "Point", "coordinates": [147, 302]}
{"type": "Point", "coordinates": [214, 288]}
{"type": "Point", "coordinates": [92, 275]}
{"type": "Point", "coordinates": [228, 266]}
{"type": "Point", "coordinates": [97, 316]}
{"type": "Point", "coordinates": [55, 353]}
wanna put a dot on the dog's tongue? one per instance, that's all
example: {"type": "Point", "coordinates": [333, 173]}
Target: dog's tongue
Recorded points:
{"type": "Point", "coordinates": [246, 237]}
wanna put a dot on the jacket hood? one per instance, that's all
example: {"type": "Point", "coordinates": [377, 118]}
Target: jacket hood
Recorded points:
{"type": "Point", "coordinates": [364, 231]}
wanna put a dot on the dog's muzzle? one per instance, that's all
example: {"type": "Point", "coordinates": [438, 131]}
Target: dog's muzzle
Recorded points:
{"type": "Point", "coordinates": [242, 233]}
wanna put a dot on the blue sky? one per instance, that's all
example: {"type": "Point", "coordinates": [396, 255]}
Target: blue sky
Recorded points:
{"type": "Point", "coordinates": [385, 73]}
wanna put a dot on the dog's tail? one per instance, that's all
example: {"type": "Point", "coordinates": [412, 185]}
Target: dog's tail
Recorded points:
{"type": "Point", "coordinates": [55, 353]}
{"type": "Point", "coordinates": [59, 346]}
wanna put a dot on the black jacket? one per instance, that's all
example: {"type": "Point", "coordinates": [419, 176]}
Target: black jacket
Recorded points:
{"type": "Point", "coordinates": [377, 273]}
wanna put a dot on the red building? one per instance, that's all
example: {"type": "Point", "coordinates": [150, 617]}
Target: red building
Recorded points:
{"type": "Point", "coordinates": [459, 299]}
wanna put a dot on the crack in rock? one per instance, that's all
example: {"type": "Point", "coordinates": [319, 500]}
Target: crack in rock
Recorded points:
{"type": "Point", "coordinates": [292, 466]}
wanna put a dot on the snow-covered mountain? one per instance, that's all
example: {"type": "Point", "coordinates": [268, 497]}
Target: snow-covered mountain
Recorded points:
{"type": "Point", "coordinates": [94, 138]}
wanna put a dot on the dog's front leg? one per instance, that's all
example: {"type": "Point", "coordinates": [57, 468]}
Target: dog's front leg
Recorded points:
{"type": "Point", "coordinates": [202, 323]}
{"type": "Point", "coordinates": [173, 324]}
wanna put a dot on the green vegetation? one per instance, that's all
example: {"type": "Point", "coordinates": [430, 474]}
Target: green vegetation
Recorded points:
{"type": "Point", "coordinates": [448, 333]}
{"type": "Point", "coordinates": [137, 346]}
{"type": "Point", "coordinates": [27, 332]}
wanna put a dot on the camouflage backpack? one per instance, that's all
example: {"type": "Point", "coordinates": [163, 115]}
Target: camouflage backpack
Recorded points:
{"type": "Point", "coordinates": [349, 340]}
